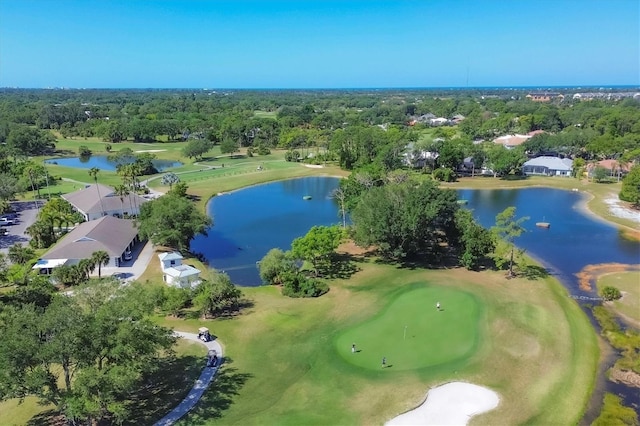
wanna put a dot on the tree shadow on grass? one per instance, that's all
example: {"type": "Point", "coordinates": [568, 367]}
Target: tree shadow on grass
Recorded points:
{"type": "Point", "coordinates": [220, 395]}
{"type": "Point", "coordinates": [342, 266]}
{"type": "Point", "coordinates": [534, 272]}
{"type": "Point", "coordinates": [164, 389]}
{"type": "Point", "coordinates": [48, 418]}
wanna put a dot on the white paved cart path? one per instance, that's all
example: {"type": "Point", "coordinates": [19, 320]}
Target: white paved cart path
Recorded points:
{"type": "Point", "coordinates": [201, 385]}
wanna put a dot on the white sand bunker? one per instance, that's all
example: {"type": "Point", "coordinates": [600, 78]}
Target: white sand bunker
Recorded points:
{"type": "Point", "coordinates": [451, 404]}
{"type": "Point", "coordinates": [151, 150]}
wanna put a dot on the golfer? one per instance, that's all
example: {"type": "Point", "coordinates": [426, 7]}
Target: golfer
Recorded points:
{"type": "Point", "coordinates": [438, 306]}
{"type": "Point", "coordinates": [353, 348]}
{"type": "Point", "coordinates": [384, 362]}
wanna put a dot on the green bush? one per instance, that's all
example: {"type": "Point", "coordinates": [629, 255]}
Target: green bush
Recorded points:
{"type": "Point", "coordinates": [444, 174]}
{"type": "Point", "coordinates": [263, 150]}
{"type": "Point", "coordinates": [614, 413]}
{"type": "Point", "coordinates": [295, 284]}
{"type": "Point", "coordinates": [292, 156]}
{"type": "Point", "coordinates": [249, 152]}
{"type": "Point", "coordinates": [610, 293]}
{"type": "Point", "coordinates": [84, 151]}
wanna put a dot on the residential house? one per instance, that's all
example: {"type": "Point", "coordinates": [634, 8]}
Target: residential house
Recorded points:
{"type": "Point", "coordinates": [613, 167]}
{"type": "Point", "coordinates": [511, 141]}
{"type": "Point", "coordinates": [544, 96]}
{"type": "Point", "coordinates": [457, 119]}
{"type": "Point", "coordinates": [95, 201]}
{"type": "Point", "coordinates": [115, 236]}
{"type": "Point", "coordinates": [548, 166]}
{"type": "Point", "coordinates": [418, 158]}
{"type": "Point", "coordinates": [175, 273]}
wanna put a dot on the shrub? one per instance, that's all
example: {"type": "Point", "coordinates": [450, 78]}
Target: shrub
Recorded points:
{"type": "Point", "coordinates": [263, 150]}
{"type": "Point", "coordinates": [249, 152]}
{"type": "Point", "coordinates": [292, 156]}
{"type": "Point", "coordinates": [610, 293]}
{"type": "Point", "coordinates": [444, 174]}
{"type": "Point", "coordinates": [295, 284]}
{"type": "Point", "coordinates": [84, 151]}
{"type": "Point", "coordinates": [614, 412]}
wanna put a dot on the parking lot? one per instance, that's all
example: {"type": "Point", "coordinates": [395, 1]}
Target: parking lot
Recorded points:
{"type": "Point", "coordinates": [27, 212]}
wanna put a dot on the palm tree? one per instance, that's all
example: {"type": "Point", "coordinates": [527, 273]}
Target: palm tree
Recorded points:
{"type": "Point", "coordinates": [93, 172]}
{"type": "Point", "coordinates": [100, 258]}
{"type": "Point", "coordinates": [86, 266]}
{"type": "Point", "coordinates": [121, 191]}
{"type": "Point", "coordinates": [169, 179]}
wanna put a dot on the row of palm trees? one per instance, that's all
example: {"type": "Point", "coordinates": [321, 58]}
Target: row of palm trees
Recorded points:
{"type": "Point", "coordinates": [77, 274]}
{"type": "Point", "coordinates": [130, 185]}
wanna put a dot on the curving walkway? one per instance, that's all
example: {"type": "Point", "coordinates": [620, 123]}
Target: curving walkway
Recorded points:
{"type": "Point", "coordinates": [201, 385]}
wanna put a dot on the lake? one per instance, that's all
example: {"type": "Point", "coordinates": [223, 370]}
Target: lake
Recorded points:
{"type": "Point", "coordinates": [103, 163]}
{"type": "Point", "coordinates": [250, 222]}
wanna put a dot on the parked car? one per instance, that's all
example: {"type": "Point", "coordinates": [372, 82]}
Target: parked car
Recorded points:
{"type": "Point", "coordinates": [13, 216]}
{"type": "Point", "coordinates": [6, 221]}
{"type": "Point", "coordinates": [3, 232]}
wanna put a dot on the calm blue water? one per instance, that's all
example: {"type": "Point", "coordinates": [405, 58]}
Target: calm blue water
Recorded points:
{"type": "Point", "coordinates": [103, 163]}
{"type": "Point", "coordinates": [574, 239]}
{"type": "Point", "coordinates": [250, 222]}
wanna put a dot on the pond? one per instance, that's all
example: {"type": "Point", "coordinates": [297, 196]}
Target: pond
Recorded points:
{"type": "Point", "coordinates": [103, 163]}
{"type": "Point", "coordinates": [574, 239]}
{"type": "Point", "coordinates": [250, 222]}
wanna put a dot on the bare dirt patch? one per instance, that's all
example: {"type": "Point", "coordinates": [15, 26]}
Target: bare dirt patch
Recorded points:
{"type": "Point", "coordinates": [630, 378]}
{"type": "Point", "coordinates": [350, 248]}
{"type": "Point", "coordinates": [590, 273]}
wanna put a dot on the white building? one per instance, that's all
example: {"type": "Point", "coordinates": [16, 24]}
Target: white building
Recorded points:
{"type": "Point", "coordinates": [548, 166]}
{"type": "Point", "coordinates": [175, 273]}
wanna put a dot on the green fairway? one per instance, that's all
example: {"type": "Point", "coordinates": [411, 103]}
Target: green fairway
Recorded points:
{"type": "Point", "coordinates": [411, 333]}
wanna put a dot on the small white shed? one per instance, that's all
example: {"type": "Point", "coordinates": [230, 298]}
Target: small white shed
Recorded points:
{"type": "Point", "coordinates": [175, 273]}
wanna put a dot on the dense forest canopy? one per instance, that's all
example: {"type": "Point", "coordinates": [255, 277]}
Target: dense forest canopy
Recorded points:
{"type": "Point", "coordinates": [378, 129]}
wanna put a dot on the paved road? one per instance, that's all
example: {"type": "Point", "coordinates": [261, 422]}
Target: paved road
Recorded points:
{"type": "Point", "coordinates": [201, 385]}
{"type": "Point", "coordinates": [27, 213]}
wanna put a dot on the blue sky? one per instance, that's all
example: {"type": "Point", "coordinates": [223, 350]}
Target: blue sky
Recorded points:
{"type": "Point", "coordinates": [318, 44]}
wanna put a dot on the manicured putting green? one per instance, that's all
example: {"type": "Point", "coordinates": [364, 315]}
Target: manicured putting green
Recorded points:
{"type": "Point", "coordinates": [411, 333]}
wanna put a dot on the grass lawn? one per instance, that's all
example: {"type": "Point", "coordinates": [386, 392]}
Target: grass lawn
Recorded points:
{"type": "Point", "coordinates": [411, 333]}
{"type": "Point", "coordinates": [629, 284]}
{"type": "Point", "coordinates": [289, 360]}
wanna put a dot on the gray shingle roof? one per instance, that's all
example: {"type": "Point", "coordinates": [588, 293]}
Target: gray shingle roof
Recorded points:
{"type": "Point", "coordinates": [553, 163]}
{"type": "Point", "coordinates": [86, 199]}
{"type": "Point", "coordinates": [108, 233]}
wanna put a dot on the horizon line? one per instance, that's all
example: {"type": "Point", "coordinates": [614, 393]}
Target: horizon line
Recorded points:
{"type": "Point", "coordinates": [513, 87]}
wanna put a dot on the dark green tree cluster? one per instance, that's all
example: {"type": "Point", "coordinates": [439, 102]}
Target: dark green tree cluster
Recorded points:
{"type": "Point", "coordinates": [407, 220]}
{"type": "Point", "coordinates": [85, 354]}
{"type": "Point", "coordinates": [172, 221]}
{"type": "Point", "coordinates": [287, 269]}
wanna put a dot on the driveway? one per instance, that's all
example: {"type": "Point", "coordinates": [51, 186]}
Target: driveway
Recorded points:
{"type": "Point", "coordinates": [132, 269]}
{"type": "Point", "coordinates": [27, 213]}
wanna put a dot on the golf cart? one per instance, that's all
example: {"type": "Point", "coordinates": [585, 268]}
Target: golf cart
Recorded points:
{"type": "Point", "coordinates": [203, 334]}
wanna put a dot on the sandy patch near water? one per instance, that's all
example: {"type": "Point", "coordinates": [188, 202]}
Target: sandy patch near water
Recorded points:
{"type": "Point", "coordinates": [451, 404]}
{"type": "Point", "coordinates": [619, 209]}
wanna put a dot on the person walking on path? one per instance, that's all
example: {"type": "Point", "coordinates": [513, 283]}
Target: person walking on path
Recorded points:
{"type": "Point", "coordinates": [353, 348]}
{"type": "Point", "coordinates": [384, 362]}
{"type": "Point", "coordinates": [438, 306]}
